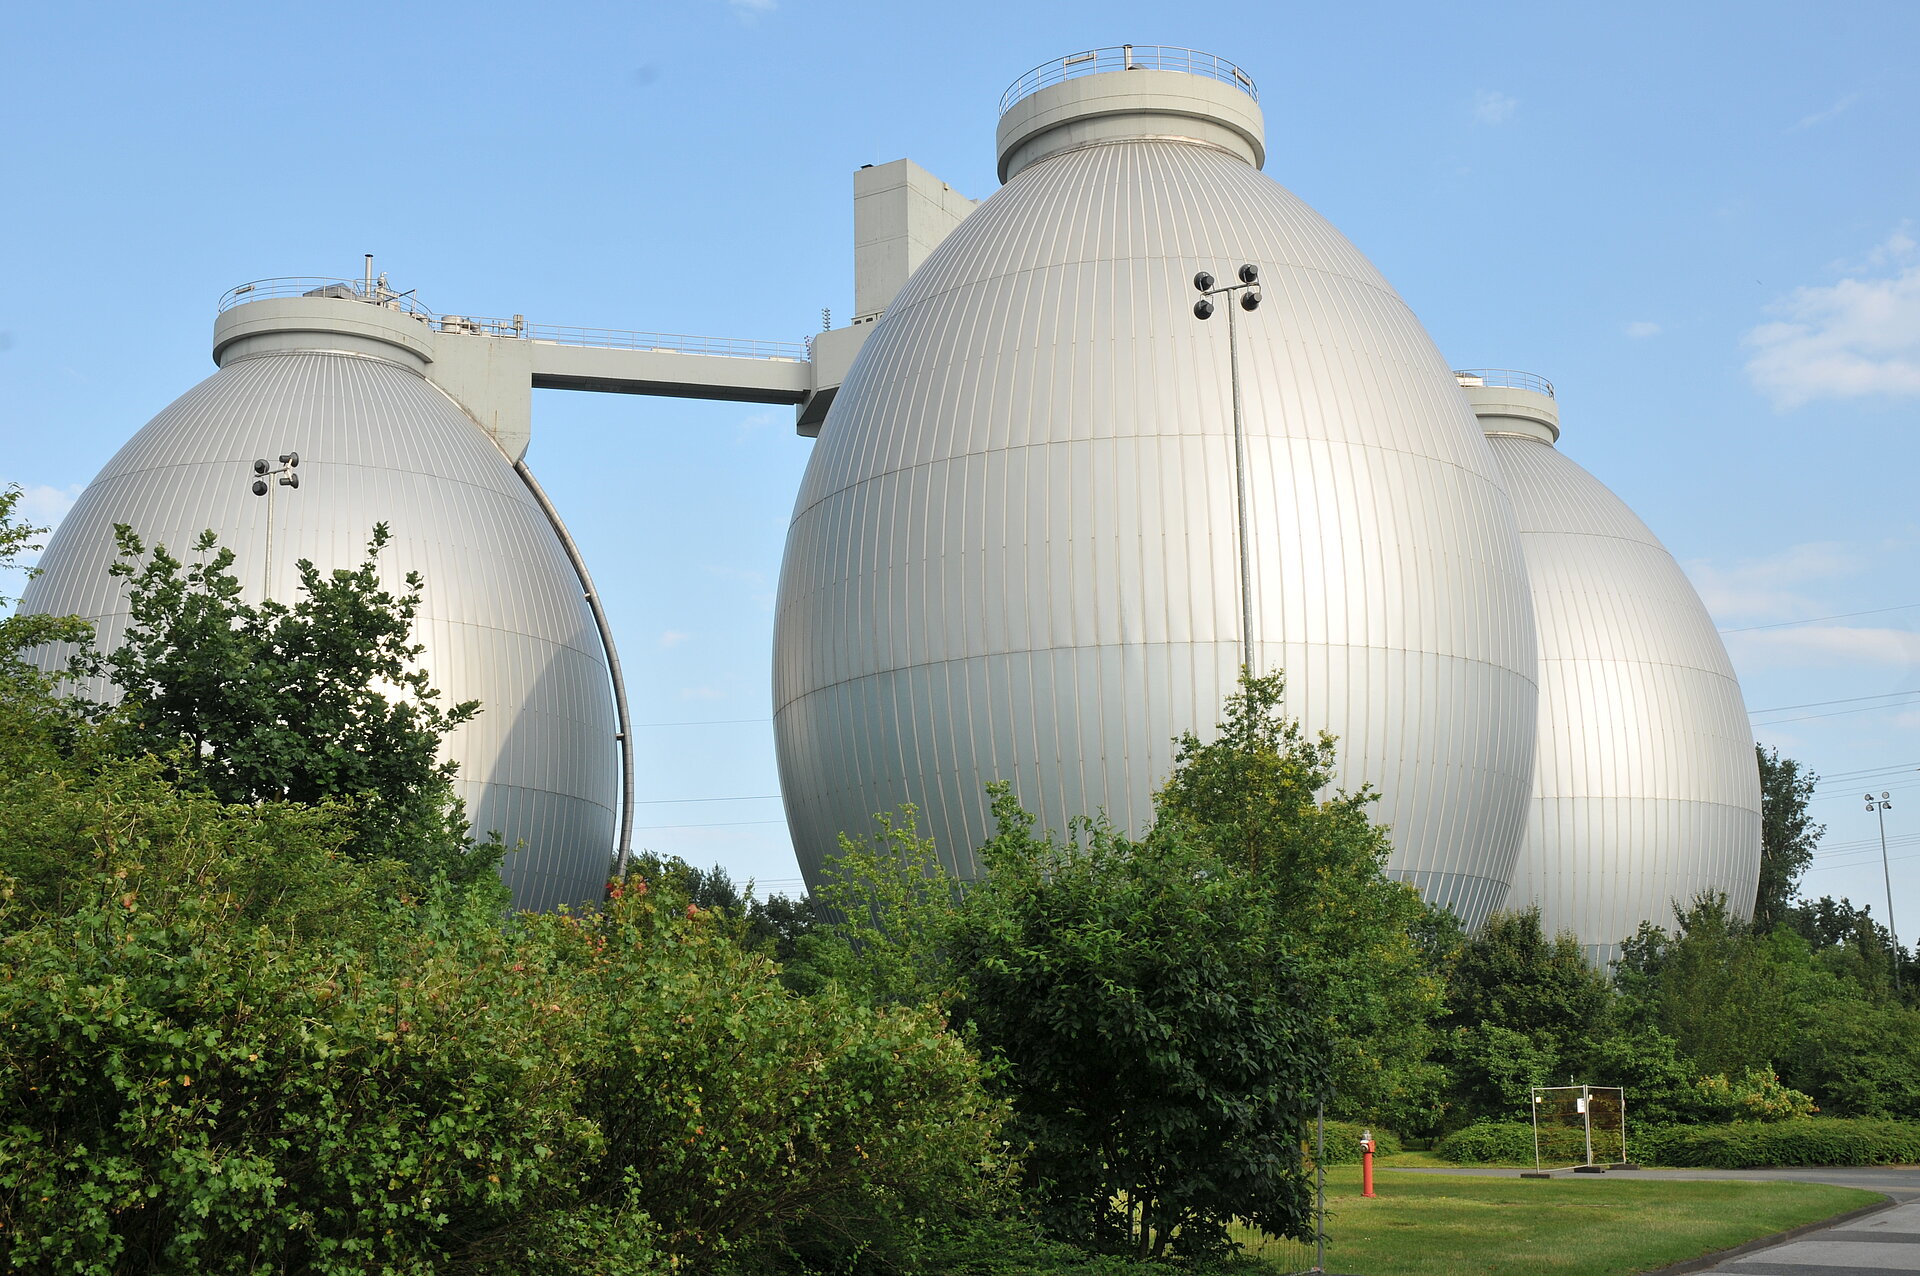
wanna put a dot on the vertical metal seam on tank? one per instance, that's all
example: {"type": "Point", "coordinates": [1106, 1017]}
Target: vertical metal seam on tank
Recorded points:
{"type": "Point", "coordinates": [613, 659]}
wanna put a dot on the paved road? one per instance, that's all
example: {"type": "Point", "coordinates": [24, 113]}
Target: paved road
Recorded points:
{"type": "Point", "coordinates": [1900, 1182]}
{"type": "Point", "coordinates": [1882, 1244]}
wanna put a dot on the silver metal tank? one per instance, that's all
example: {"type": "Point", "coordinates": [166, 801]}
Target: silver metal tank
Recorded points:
{"type": "Point", "coordinates": [339, 380]}
{"type": "Point", "coordinates": [1014, 554]}
{"type": "Point", "coordinates": [1645, 790]}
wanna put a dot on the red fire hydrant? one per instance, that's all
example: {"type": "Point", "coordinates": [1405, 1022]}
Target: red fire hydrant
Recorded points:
{"type": "Point", "coordinates": [1366, 1163]}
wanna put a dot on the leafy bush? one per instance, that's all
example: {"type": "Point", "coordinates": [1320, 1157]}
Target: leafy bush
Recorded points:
{"type": "Point", "coordinates": [1809, 1141]}
{"type": "Point", "coordinates": [229, 1046]}
{"type": "Point", "coordinates": [1343, 1142]}
{"type": "Point", "coordinates": [1489, 1143]}
{"type": "Point", "coordinates": [188, 1095]}
{"type": "Point", "coordinates": [1160, 1051]}
{"type": "Point", "coordinates": [1755, 1095]}
{"type": "Point", "coordinates": [752, 1123]}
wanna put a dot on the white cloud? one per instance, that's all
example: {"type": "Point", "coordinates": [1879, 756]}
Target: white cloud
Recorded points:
{"type": "Point", "coordinates": [1771, 587]}
{"type": "Point", "coordinates": [753, 8]}
{"type": "Point", "coordinates": [673, 638]}
{"type": "Point", "coordinates": [1822, 116]}
{"type": "Point", "coordinates": [755, 426]}
{"type": "Point", "coordinates": [1825, 646]}
{"type": "Point", "coordinates": [1851, 339]}
{"type": "Point", "coordinates": [1640, 329]}
{"type": "Point", "coordinates": [702, 693]}
{"type": "Point", "coordinates": [43, 506]}
{"type": "Point", "coordinates": [1490, 107]}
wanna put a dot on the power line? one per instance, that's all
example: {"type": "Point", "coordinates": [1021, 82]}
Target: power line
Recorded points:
{"type": "Point", "coordinates": [1821, 704]}
{"type": "Point", "coordinates": [728, 824]}
{"type": "Point", "coordinates": [741, 797]}
{"type": "Point", "coordinates": [1814, 620]}
{"type": "Point", "coordinates": [1872, 770]}
{"type": "Point", "coordinates": [1837, 713]}
{"type": "Point", "coordinates": [703, 722]}
{"type": "Point", "coordinates": [1898, 859]}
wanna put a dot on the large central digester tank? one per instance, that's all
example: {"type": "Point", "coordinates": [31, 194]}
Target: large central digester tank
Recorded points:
{"type": "Point", "coordinates": [340, 380]}
{"type": "Point", "coordinates": [1646, 788]}
{"type": "Point", "coordinates": [1014, 551]}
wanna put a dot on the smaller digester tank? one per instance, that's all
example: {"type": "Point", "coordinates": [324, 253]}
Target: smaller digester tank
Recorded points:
{"type": "Point", "coordinates": [337, 372]}
{"type": "Point", "coordinates": [1646, 792]}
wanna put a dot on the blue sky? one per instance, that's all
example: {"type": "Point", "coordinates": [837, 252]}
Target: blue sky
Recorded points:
{"type": "Point", "coordinates": [1699, 220]}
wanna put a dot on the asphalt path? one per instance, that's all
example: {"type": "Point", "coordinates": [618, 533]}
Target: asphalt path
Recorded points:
{"type": "Point", "coordinates": [1886, 1243]}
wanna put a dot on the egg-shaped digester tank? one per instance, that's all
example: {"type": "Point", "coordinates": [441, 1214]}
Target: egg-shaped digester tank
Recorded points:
{"type": "Point", "coordinates": [1015, 552]}
{"type": "Point", "coordinates": [1646, 792]}
{"type": "Point", "coordinates": [339, 380]}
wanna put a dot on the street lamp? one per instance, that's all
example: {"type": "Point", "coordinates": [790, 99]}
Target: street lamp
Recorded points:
{"type": "Point", "coordinates": [264, 476]}
{"type": "Point", "coordinates": [1249, 291]}
{"type": "Point", "coordinates": [1880, 806]}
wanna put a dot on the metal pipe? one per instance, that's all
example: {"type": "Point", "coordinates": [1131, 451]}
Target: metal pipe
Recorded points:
{"type": "Point", "coordinates": [625, 736]}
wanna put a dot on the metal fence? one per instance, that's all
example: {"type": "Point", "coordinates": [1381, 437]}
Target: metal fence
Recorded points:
{"type": "Point", "coordinates": [1286, 1254]}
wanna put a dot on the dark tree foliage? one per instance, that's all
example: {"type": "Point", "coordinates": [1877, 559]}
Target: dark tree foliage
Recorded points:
{"type": "Point", "coordinates": [1853, 943]}
{"type": "Point", "coordinates": [25, 687]}
{"type": "Point", "coordinates": [321, 700]}
{"type": "Point", "coordinates": [1161, 1051]}
{"type": "Point", "coordinates": [1714, 985]}
{"type": "Point", "coordinates": [1522, 1010]}
{"type": "Point", "coordinates": [774, 925]}
{"type": "Point", "coordinates": [1788, 834]}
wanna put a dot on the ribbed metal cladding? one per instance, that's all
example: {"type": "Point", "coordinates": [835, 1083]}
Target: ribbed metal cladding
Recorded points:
{"type": "Point", "coordinates": [1646, 792]}
{"type": "Point", "coordinates": [502, 616]}
{"type": "Point", "coordinates": [1014, 551]}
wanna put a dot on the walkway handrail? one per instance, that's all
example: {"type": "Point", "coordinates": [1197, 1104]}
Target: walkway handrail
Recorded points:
{"type": "Point", "coordinates": [321, 286]}
{"type": "Point", "coordinates": [1504, 379]}
{"type": "Point", "coordinates": [516, 327]}
{"type": "Point", "coordinates": [1128, 57]}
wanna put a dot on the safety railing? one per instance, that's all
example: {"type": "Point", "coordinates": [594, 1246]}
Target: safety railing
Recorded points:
{"type": "Point", "coordinates": [516, 327]}
{"type": "Point", "coordinates": [1504, 378]}
{"type": "Point", "coordinates": [620, 339]}
{"type": "Point", "coordinates": [1128, 57]}
{"type": "Point", "coordinates": [320, 286]}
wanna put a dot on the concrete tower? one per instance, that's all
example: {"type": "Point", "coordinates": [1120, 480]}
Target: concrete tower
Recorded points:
{"type": "Point", "coordinates": [1016, 552]}
{"type": "Point", "coordinates": [1645, 789]}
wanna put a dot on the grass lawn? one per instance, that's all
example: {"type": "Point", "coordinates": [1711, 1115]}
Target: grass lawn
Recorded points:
{"type": "Point", "coordinates": [1443, 1225]}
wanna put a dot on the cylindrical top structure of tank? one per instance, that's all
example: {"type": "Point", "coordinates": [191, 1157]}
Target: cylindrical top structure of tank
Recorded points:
{"type": "Point", "coordinates": [339, 380]}
{"type": "Point", "coordinates": [1015, 553]}
{"type": "Point", "coordinates": [1646, 791]}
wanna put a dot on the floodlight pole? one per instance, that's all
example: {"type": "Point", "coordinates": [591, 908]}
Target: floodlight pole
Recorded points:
{"type": "Point", "coordinates": [265, 480]}
{"type": "Point", "coordinates": [1880, 806]}
{"type": "Point", "coordinates": [1203, 309]}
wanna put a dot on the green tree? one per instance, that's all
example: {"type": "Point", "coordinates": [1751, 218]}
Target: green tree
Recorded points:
{"type": "Point", "coordinates": [26, 702]}
{"type": "Point", "coordinates": [1522, 1009]}
{"type": "Point", "coordinates": [1846, 940]}
{"type": "Point", "coordinates": [887, 908]}
{"type": "Point", "coordinates": [1377, 953]}
{"type": "Point", "coordinates": [1788, 834]}
{"type": "Point", "coordinates": [315, 701]}
{"type": "Point", "coordinates": [1158, 1043]}
{"type": "Point", "coordinates": [1717, 986]}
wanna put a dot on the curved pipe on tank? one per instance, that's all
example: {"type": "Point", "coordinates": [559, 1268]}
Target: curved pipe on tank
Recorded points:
{"type": "Point", "coordinates": [625, 736]}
